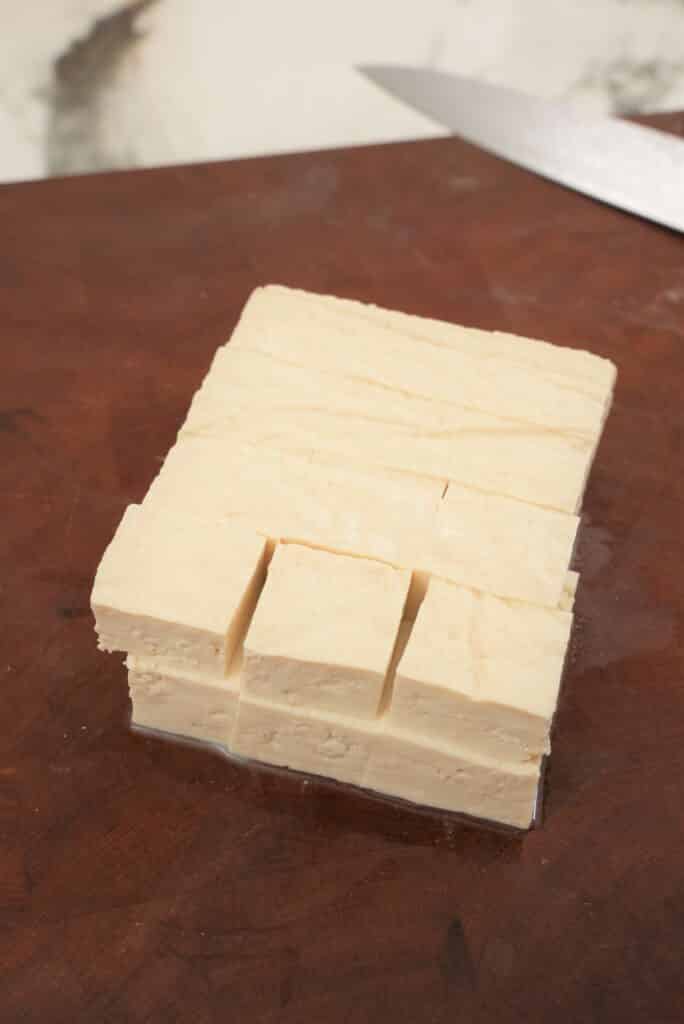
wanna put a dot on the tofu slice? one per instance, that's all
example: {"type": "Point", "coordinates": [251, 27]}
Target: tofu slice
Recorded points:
{"type": "Point", "coordinates": [306, 499]}
{"type": "Point", "coordinates": [434, 774]}
{"type": "Point", "coordinates": [504, 547]}
{"type": "Point", "coordinates": [323, 743]}
{"type": "Point", "coordinates": [595, 374]}
{"type": "Point", "coordinates": [481, 673]}
{"type": "Point", "coordinates": [392, 762]}
{"type": "Point", "coordinates": [317, 332]}
{"type": "Point", "coordinates": [180, 701]}
{"type": "Point", "coordinates": [323, 632]}
{"type": "Point", "coordinates": [169, 585]}
{"type": "Point", "coordinates": [258, 399]}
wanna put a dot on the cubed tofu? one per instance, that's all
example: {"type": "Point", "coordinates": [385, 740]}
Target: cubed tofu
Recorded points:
{"type": "Point", "coordinates": [323, 631]}
{"type": "Point", "coordinates": [172, 586]}
{"type": "Point", "coordinates": [186, 703]}
{"type": "Point", "coordinates": [481, 673]}
{"type": "Point", "coordinates": [441, 775]}
{"type": "Point", "coordinates": [320, 742]}
{"type": "Point", "coordinates": [501, 546]}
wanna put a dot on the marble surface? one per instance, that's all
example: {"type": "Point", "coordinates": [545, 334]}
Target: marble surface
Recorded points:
{"type": "Point", "coordinates": [95, 84]}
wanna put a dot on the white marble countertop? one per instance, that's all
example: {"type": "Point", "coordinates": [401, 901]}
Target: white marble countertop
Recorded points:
{"type": "Point", "coordinates": [95, 84]}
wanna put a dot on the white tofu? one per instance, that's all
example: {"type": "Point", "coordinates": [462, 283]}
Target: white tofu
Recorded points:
{"type": "Point", "coordinates": [388, 760]}
{"type": "Point", "coordinates": [501, 546]}
{"type": "Point", "coordinates": [306, 500]}
{"type": "Point", "coordinates": [168, 585]}
{"type": "Point", "coordinates": [322, 743]}
{"type": "Point", "coordinates": [438, 775]}
{"type": "Point", "coordinates": [323, 632]}
{"type": "Point", "coordinates": [487, 542]}
{"type": "Point", "coordinates": [318, 332]}
{"type": "Point", "coordinates": [186, 703]}
{"type": "Point", "coordinates": [258, 399]}
{"type": "Point", "coordinates": [593, 373]}
{"type": "Point", "coordinates": [481, 673]}
{"type": "Point", "coordinates": [387, 461]}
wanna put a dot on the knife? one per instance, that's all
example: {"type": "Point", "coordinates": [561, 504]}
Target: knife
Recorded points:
{"type": "Point", "coordinates": [634, 168]}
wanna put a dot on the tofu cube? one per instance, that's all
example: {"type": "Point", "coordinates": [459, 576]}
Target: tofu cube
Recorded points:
{"type": "Point", "coordinates": [320, 742]}
{"type": "Point", "coordinates": [502, 546]}
{"type": "Point", "coordinates": [323, 631]}
{"type": "Point", "coordinates": [183, 702]}
{"type": "Point", "coordinates": [170, 586]}
{"type": "Point", "coordinates": [481, 673]}
{"type": "Point", "coordinates": [439, 775]}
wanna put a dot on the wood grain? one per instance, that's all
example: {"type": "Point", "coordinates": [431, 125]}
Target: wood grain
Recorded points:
{"type": "Point", "coordinates": [142, 881]}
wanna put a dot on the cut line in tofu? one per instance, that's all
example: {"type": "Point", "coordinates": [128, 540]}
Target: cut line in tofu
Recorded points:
{"type": "Point", "coordinates": [323, 632]}
{"type": "Point", "coordinates": [481, 673]}
{"type": "Point", "coordinates": [176, 700]}
{"type": "Point", "coordinates": [172, 586]}
{"type": "Point", "coordinates": [320, 333]}
{"type": "Point", "coordinates": [258, 399]}
{"type": "Point", "coordinates": [442, 776]}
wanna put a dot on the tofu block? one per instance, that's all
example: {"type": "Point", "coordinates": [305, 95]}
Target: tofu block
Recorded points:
{"type": "Point", "coordinates": [306, 500]}
{"type": "Point", "coordinates": [183, 702]}
{"type": "Point", "coordinates": [501, 546]}
{"type": "Point", "coordinates": [414, 486]}
{"type": "Point", "coordinates": [323, 632]}
{"type": "Point", "coordinates": [481, 673]}
{"type": "Point", "coordinates": [318, 332]}
{"type": "Point", "coordinates": [169, 585]}
{"type": "Point", "coordinates": [319, 742]}
{"type": "Point", "coordinates": [438, 775]}
{"type": "Point", "coordinates": [262, 400]}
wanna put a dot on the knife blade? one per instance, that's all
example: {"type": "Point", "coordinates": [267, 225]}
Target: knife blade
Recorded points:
{"type": "Point", "coordinates": [637, 169]}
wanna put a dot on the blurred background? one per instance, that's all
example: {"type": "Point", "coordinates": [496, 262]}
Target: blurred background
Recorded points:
{"type": "Point", "coordinates": [87, 85]}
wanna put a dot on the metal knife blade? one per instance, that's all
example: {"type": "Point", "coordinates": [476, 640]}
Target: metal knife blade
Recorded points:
{"type": "Point", "coordinates": [626, 165]}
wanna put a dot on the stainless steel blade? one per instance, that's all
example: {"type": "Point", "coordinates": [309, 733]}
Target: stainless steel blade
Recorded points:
{"type": "Point", "coordinates": [635, 168]}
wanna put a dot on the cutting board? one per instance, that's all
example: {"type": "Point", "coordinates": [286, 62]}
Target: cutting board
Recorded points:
{"type": "Point", "coordinates": [143, 880]}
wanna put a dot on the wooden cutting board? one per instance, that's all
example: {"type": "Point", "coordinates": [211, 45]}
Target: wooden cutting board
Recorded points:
{"type": "Point", "coordinates": [146, 881]}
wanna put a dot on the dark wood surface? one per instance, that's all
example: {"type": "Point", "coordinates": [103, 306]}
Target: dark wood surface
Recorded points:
{"type": "Point", "coordinates": [142, 881]}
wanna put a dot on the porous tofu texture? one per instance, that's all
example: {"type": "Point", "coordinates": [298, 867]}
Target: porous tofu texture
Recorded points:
{"type": "Point", "coordinates": [170, 586]}
{"type": "Point", "coordinates": [481, 673]}
{"type": "Point", "coordinates": [379, 756]}
{"type": "Point", "coordinates": [436, 775]}
{"type": "Point", "coordinates": [323, 631]}
{"type": "Point", "coordinates": [180, 701]}
{"type": "Point", "coordinates": [324, 743]}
